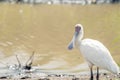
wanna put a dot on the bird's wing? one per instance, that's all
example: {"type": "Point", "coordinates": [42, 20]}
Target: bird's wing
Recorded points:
{"type": "Point", "coordinates": [96, 53]}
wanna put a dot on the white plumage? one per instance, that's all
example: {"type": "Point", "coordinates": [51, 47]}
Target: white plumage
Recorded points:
{"type": "Point", "coordinates": [97, 54]}
{"type": "Point", "coordinates": [94, 52]}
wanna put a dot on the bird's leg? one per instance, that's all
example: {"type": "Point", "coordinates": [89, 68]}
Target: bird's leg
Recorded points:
{"type": "Point", "coordinates": [97, 76]}
{"type": "Point", "coordinates": [91, 78]}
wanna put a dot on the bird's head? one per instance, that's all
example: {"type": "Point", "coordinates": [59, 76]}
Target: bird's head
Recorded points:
{"type": "Point", "coordinates": [78, 34]}
{"type": "Point", "coordinates": [78, 28]}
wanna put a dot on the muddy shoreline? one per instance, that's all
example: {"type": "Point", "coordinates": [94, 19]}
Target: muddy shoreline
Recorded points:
{"type": "Point", "coordinates": [57, 76]}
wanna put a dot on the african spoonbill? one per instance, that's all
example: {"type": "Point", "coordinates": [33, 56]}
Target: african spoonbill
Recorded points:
{"type": "Point", "coordinates": [94, 52]}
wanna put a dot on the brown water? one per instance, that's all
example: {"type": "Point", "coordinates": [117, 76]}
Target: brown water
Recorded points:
{"type": "Point", "coordinates": [23, 31]}
{"type": "Point", "coordinates": [48, 29]}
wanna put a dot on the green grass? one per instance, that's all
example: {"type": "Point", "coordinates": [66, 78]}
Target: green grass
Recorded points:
{"type": "Point", "coordinates": [52, 27]}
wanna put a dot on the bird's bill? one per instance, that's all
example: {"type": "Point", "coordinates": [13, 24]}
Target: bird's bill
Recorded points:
{"type": "Point", "coordinates": [72, 43]}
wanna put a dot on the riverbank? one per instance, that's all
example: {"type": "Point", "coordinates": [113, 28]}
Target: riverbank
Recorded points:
{"type": "Point", "coordinates": [60, 76]}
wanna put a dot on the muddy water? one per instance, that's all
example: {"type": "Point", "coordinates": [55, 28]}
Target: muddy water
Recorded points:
{"type": "Point", "coordinates": [24, 30]}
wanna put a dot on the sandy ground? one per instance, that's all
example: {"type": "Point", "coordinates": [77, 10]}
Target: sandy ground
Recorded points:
{"type": "Point", "coordinates": [59, 76]}
{"type": "Point", "coordinates": [63, 78]}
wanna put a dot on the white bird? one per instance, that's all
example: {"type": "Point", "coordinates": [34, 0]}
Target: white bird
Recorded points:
{"type": "Point", "coordinates": [94, 52]}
